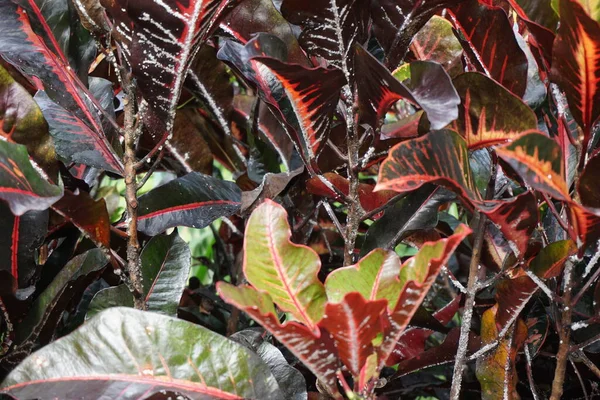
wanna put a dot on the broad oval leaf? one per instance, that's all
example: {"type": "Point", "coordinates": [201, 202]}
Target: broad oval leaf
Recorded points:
{"type": "Point", "coordinates": [575, 64]}
{"type": "Point", "coordinates": [114, 296]}
{"type": "Point", "coordinates": [436, 42]}
{"type": "Point", "coordinates": [21, 185]}
{"type": "Point", "coordinates": [142, 353]}
{"type": "Point", "coordinates": [489, 113]}
{"type": "Point", "coordinates": [194, 200]}
{"type": "Point", "coordinates": [166, 263]}
{"type": "Point", "coordinates": [287, 271]}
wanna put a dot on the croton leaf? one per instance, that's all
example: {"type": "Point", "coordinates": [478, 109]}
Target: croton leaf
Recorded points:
{"type": "Point", "coordinates": [374, 277]}
{"type": "Point", "coordinates": [489, 42]}
{"type": "Point", "coordinates": [316, 350]}
{"type": "Point", "coordinates": [203, 365]}
{"type": "Point", "coordinates": [588, 181]}
{"type": "Point", "coordinates": [538, 160]}
{"type": "Point", "coordinates": [75, 140]}
{"type": "Point", "coordinates": [188, 147]}
{"type": "Point", "coordinates": [512, 295]}
{"type": "Point", "coordinates": [46, 310]}
{"type": "Point", "coordinates": [395, 23]}
{"type": "Point", "coordinates": [89, 215]}
{"type": "Point", "coordinates": [166, 263]}
{"type": "Point", "coordinates": [200, 200]}
{"type": "Point", "coordinates": [114, 296]}
{"type": "Point", "coordinates": [29, 53]}
{"type": "Point", "coordinates": [409, 166]}
{"type": "Point", "coordinates": [21, 121]}
{"type": "Point", "coordinates": [92, 16]}
{"type": "Point", "coordinates": [416, 277]}
{"type": "Point", "coordinates": [378, 89]}
{"type": "Point", "coordinates": [416, 211]}
{"type": "Point", "coordinates": [21, 185]}
{"type": "Point", "coordinates": [369, 200]}
{"type": "Point", "coordinates": [354, 323]}
{"type": "Point", "coordinates": [576, 55]}
{"type": "Point", "coordinates": [314, 94]}
{"type": "Point", "coordinates": [159, 40]}
{"type": "Point", "coordinates": [287, 271]}
{"type": "Point", "coordinates": [21, 237]}
{"type": "Point", "coordinates": [586, 224]}
{"type": "Point", "coordinates": [254, 16]}
{"type": "Point", "coordinates": [330, 28]}
{"type": "Point", "coordinates": [496, 370]}
{"type": "Point", "coordinates": [489, 113]}
{"type": "Point", "coordinates": [436, 42]}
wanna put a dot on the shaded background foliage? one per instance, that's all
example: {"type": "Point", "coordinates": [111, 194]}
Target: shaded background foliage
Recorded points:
{"type": "Point", "coordinates": [371, 198]}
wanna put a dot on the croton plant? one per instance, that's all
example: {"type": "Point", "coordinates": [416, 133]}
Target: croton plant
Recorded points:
{"type": "Point", "coordinates": [299, 199]}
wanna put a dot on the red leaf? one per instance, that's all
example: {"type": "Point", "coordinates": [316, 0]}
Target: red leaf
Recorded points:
{"type": "Point", "coordinates": [354, 323]}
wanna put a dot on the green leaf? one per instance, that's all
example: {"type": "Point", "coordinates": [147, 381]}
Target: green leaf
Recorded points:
{"type": "Point", "coordinates": [21, 185]}
{"type": "Point", "coordinates": [145, 353]}
{"type": "Point", "coordinates": [115, 296]}
{"type": "Point", "coordinates": [375, 277]}
{"type": "Point", "coordinates": [287, 271]}
{"type": "Point", "coordinates": [166, 263]}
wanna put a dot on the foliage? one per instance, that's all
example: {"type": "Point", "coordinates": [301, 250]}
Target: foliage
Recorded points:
{"type": "Point", "coordinates": [373, 199]}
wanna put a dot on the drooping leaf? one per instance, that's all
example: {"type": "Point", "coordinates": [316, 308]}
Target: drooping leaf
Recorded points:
{"type": "Point", "coordinates": [314, 94]}
{"type": "Point", "coordinates": [166, 263]}
{"type": "Point", "coordinates": [159, 41]}
{"type": "Point", "coordinates": [22, 122]}
{"type": "Point", "coordinates": [417, 211]}
{"type": "Point", "coordinates": [538, 159]}
{"type": "Point", "coordinates": [416, 277]}
{"type": "Point", "coordinates": [354, 322]}
{"type": "Point", "coordinates": [287, 271]}
{"type": "Point", "coordinates": [75, 140]}
{"type": "Point", "coordinates": [188, 147]}
{"type": "Point", "coordinates": [585, 223]}
{"type": "Point", "coordinates": [316, 350]}
{"type": "Point", "coordinates": [19, 241]}
{"type": "Point", "coordinates": [436, 42]}
{"type": "Point", "coordinates": [395, 23]}
{"type": "Point", "coordinates": [125, 349]}
{"type": "Point", "coordinates": [575, 64]}
{"type": "Point", "coordinates": [374, 277]}
{"type": "Point", "coordinates": [271, 186]}
{"type": "Point", "coordinates": [28, 52]}
{"type": "Point", "coordinates": [489, 42]}
{"type": "Point", "coordinates": [21, 185]}
{"type": "Point", "coordinates": [200, 200]}
{"type": "Point", "coordinates": [489, 113]}
{"type": "Point", "coordinates": [550, 260]}
{"type": "Point", "coordinates": [45, 312]}
{"type": "Point", "coordinates": [496, 370]}
{"type": "Point", "coordinates": [87, 214]}
{"type": "Point", "coordinates": [92, 16]}
{"type": "Point", "coordinates": [378, 89]}
{"type": "Point", "coordinates": [330, 28]}
{"type": "Point", "coordinates": [540, 12]}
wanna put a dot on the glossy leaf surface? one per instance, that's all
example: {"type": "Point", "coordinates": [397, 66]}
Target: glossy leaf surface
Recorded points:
{"type": "Point", "coordinates": [201, 199]}
{"type": "Point", "coordinates": [151, 363]}
{"type": "Point", "coordinates": [166, 263]}
{"type": "Point", "coordinates": [21, 185]}
{"type": "Point", "coordinates": [287, 271]}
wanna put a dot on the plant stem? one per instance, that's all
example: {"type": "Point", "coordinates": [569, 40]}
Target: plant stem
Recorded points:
{"type": "Point", "coordinates": [355, 210]}
{"type": "Point", "coordinates": [133, 245]}
{"type": "Point", "coordinates": [465, 327]}
{"type": "Point", "coordinates": [564, 335]}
